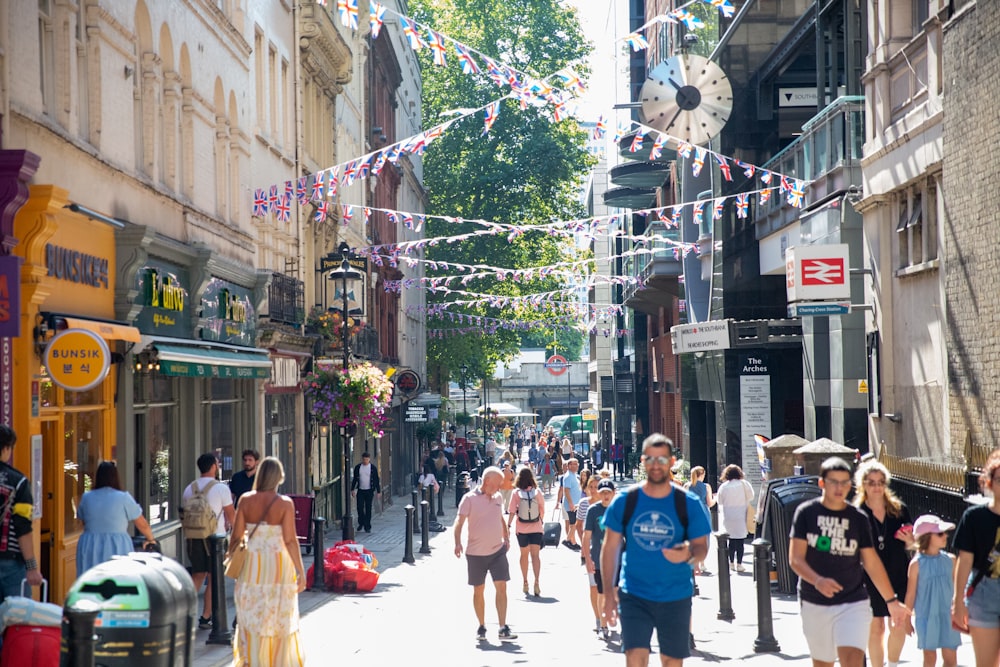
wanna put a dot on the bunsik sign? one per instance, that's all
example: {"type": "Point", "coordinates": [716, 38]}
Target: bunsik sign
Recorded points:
{"type": "Point", "coordinates": [77, 359]}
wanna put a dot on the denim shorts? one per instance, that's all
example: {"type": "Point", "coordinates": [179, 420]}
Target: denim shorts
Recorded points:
{"type": "Point", "coordinates": [984, 605]}
{"type": "Point", "coordinates": [671, 620]}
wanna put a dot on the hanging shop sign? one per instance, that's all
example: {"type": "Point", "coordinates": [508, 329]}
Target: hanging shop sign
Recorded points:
{"type": "Point", "coordinates": [163, 293]}
{"type": "Point", "coordinates": [556, 364]}
{"type": "Point", "coordinates": [700, 336]}
{"type": "Point", "coordinates": [228, 314]}
{"type": "Point", "coordinates": [415, 413]}
{"type": "Point", "coordinates": [77, 359]}
{"type": "Point", "coordinates": [408, 382]}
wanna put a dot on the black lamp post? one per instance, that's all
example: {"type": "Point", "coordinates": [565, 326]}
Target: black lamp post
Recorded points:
{"type": "Point", "coordinates": [346, 274]}
{"type": "Point", "coordinates": [465, 412]}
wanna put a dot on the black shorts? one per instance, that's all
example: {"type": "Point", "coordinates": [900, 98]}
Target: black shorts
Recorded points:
{"type": "Point", "coordinates": [200, 559]}
{"type": "Point", "coordinates": [495, 565]}
{"type": "Point", "coordinates": [527, 539]}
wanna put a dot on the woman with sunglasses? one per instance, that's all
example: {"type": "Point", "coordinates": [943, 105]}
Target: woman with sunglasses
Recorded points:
{"type": "Point", "coordinates": [892, 530]}
{"type": "Point", "coordinates": [976, 605]}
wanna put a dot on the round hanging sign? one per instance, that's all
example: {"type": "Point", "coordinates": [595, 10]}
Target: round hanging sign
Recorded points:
{"type": "Point", "coordinates": [77, 359]}
{"type": "Point", "coordinates": [408, 382]}
{"type": "Point", "coordinates": [556, 364]}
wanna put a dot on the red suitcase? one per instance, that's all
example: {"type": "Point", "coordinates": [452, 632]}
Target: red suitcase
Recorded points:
{"type": "Point", "coordinates": [30, 645]}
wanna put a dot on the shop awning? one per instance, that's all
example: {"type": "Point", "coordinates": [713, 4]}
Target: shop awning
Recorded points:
{"type": "Point", "coordinates": [210, 361]}
{"type": "Point", "coordinates": [106, 330]}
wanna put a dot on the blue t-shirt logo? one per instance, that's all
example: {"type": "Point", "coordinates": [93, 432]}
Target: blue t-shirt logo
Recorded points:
{"type": "Point", "coordinates": [653, 531]}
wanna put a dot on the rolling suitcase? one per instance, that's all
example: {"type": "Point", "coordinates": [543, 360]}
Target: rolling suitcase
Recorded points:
{"type": "Point", "coordinates": [25, 643]}
{"type": "Point", "coordinates": [552, 530]}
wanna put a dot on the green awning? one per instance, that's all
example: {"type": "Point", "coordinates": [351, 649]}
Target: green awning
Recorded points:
{"type": "Point", "coordinates": [191, 361]}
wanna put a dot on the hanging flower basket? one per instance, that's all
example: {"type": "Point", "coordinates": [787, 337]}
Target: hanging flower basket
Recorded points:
{"type": "Point", "coordinates": [359, 397]}
{"type": "Point", "coordinates": [329, 324]}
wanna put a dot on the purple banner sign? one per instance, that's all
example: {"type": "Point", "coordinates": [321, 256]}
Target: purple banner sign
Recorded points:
{"type": "Point", "coordinates": [10, 296]}
{"type": "Point", "coordinates": [6, 381]}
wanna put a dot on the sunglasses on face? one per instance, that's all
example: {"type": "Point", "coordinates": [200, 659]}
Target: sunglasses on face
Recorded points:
{"type": "Point", "coordinates": [841, 483]}
{"type": "Point", "coordinates": [873, 483]}
{"type": "Point", "coordinates": [661, 460]}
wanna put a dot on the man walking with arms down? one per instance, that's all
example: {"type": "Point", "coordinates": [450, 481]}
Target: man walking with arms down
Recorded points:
{"type": "Point", "coordinates": [665, 530]}
{"type": "Point", "coordinates": [486, 551]}
{"type": "Point", "coordinates": [17, 550]}
{"type": "Point", "coordinates": [831, 550]}
{"type": "Point", "coordinates": [365, 486]}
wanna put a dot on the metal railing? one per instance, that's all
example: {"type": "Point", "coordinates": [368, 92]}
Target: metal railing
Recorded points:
{"type": "Point", "coordinates": [286, 299]}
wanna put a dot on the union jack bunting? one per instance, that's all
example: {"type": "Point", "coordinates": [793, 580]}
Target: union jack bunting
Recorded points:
{"type": "Point", "coordinates": [490, 114]}
{"type": "Point", "coordinates": [723, 6]}
{"type": "Point", "coordinates": [302, 191]}
{"type": "Point", "coordinates": [494, 72]}
{"type": "Point", "coordinates": [742, 205]}
{"type": "Point", "coordinates": [785, 184]}
{"type": "Point", "coordinates": [796, 193]}
{"type": "Point", "coordinates": [348, 13]}
{"type": "Point", "coordinates": [559, 112]}
{"type": "Point", "coordinates": [317, 186]}
{"type": "Point", "coordinates": [393, 217]}
{"type": "Point", "coordinates": [720, 204]}
{"type": "Point", "coordinates": [272, 198]}
{"type": "Point", "coordinates": [723, 167]}
{"type": "Point", "coordinates": [765, 194]}
{"type": "Point", "coordinates": [376, 17]}
{"type": "Point", "coordinates": [368, 214]}
{"type": "Point", "coordinates": [419, 223]}
{"type": "Point", "coordinates": [289, 189]}
{"type": "Point", "coordinates": [636, 41]}
{"type": "Point", "coordinates": [600, 128]}
{"type": "Point", "coordinates": [697, 211]}
{"type": "Point", "coordinates": [699, 161]}
{"type": "Point", "coordinates": [408, 221]}
{"type": "Point", "coordinates": [746, 167]}
{"type": "Point", "coordinates": [620, 132]}
{"type": "Point", "coordinates": [333, 181]}
{"type": "Point", "coordinates": [378, 163]}
{"type": "Point", "coordinates": [684, 149]}
{"type": "Point", "coordinates": [690, 21]}
{"type": "Point", "coordinates": [395, 153]}
{"type": "Point", "coordinates": [469, 65]}
{"type": "Point", "coordinates": [363, 168]}
{"type": "Point", "coordinates": [657, 150]}
{"type": "Point", "coordinates": [348, 177]}
{"type": "Point", "coordinates": [410, 30]}
{"type": "Point", "coordinates": [284, 209]}
{"type": "Point", "coordinates": [675, 216]}
{"type": "Point", "coordinates": [765, 176]}
{"type": "Point", "coordinates": [572, 80]}
{"type": "Point", "coordinates": [259, 203]}
{"type": "Point", "coordinates": [437, 47]}
{"type": "Point", "coordinates": [322, 210]}
{"type": "Point", "coordinates": [637, 141]}
{"type": "Point", "coordinates": [347, 212]}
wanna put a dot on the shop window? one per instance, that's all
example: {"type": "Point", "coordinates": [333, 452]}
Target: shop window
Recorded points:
{"type": "Point", "coordinates": [83, 437]}
{"type": "Point", "coordinates": [156, 461]}
{"type": "Point", "coordinates": [227, 421]}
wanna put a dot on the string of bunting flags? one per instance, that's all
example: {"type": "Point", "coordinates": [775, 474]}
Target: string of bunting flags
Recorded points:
{"type": "Point", "coordinates": [637, 39]}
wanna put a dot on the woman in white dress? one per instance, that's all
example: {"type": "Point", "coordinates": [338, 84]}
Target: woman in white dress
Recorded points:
{"type": "Point", "coordinates": [734, 496]}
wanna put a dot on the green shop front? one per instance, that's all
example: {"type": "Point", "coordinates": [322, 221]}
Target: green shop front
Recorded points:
{"type": "Point", "coordinates": [197, 379]}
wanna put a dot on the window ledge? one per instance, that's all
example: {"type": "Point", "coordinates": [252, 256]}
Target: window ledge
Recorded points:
{"type": "Point", "coordinates": [923, 267]}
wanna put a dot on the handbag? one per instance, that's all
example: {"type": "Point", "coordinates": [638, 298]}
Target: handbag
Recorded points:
{"type": "Point", "coordinates": [751, 511]}
{"type": "Point", "coordinates": [236, 559]}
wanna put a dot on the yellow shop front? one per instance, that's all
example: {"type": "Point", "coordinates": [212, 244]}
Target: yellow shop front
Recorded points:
{"type": "Point", "coordinates": [67, 367]}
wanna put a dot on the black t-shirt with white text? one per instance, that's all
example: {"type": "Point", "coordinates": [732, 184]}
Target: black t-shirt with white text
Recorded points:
{"type": "Point", "coordinates": [834, 540]}
{"type": "Point", "coordinates": [978, 533]}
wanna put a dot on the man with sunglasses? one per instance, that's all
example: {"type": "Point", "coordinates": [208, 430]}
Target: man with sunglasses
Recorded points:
{"type": "Point", "coordinates": [831, 550]}
{"type": "Point", "coordinates": [657, 581]}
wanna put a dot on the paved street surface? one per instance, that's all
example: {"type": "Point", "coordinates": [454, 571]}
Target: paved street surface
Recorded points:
{"type": "Point", "coordinates": [421, 614]}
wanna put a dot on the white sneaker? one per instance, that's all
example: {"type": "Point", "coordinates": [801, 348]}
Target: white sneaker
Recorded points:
{"type": "Point", "coordinates": [740, 568]}
{"type": "Point", "coordinates": [732, 566]}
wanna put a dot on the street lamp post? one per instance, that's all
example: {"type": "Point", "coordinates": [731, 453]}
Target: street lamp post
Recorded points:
{"type": "Point", "coordinates": [465, 412]}
{"type": "Point", "coordinates": [345, 274]}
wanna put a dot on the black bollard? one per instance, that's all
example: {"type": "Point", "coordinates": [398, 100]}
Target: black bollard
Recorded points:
{"type": "Point", "coordinates": [425, 497]}
{"type": "Point", "coordinates": [415, 502]}
{"type": "Point", "coordinates": [79, 639]}
{"type": "Point", "coordinates": [425, 530]}
{"type": "Point", "coordinates": [220, 634]}
{"type": "Point", "coordinates": [726, 612]}
{"type": "Point", "coordinates": [410, 520]}
{"type": "Point", "coordinates": [440, 511]}
{"type": "Point", "coordinates": [319, 555]}
{"type": "Point", "coordinates": [765, 642]}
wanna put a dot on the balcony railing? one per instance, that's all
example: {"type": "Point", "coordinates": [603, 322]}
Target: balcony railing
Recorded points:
{"type": "Point", "coordinates": [286, 300]}
{"type": "Point", "coordinates": [828, 154]}
{"type": "Point", "coordinates": [657, 271]}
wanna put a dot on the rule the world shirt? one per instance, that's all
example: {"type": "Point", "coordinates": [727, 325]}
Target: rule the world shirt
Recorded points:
{"type": "Point", "coordinates": [834, 540]}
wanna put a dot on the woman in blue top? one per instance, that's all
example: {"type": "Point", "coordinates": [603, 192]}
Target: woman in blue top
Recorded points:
{"type": "Point", "coordinates": [703, 490]}
{"type": "Point", "coordinates": [106, 512]}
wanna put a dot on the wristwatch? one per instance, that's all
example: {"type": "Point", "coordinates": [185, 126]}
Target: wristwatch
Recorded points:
{"type": "Point", "coordinates": [894, 598]}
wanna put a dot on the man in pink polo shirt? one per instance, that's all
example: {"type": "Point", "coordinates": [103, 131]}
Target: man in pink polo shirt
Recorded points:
{"type": "Point", "coordinates": [489, 540]}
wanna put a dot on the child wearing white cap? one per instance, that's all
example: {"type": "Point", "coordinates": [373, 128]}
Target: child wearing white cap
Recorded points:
{"type": "Point", "coordinates": [930, 590]}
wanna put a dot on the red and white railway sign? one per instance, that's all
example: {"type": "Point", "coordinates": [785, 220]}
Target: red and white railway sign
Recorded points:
{"type": "Point", "coordinates": [817, 272]}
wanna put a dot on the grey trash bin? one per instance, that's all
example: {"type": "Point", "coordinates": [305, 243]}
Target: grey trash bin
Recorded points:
{"type": "Point", "coordinates": [782, 498]}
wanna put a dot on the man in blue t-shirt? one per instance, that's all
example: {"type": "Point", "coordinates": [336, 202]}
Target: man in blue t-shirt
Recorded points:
{"type": "Point", "coordinates": [656, 583]}
{"type": "Point", "coordinates": [570, 494]}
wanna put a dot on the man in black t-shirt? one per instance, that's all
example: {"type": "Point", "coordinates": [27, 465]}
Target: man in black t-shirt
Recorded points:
{"type": "Point", "coordinates": [831, 542]}
{"type": "Point", "coordinates": [242, 481]}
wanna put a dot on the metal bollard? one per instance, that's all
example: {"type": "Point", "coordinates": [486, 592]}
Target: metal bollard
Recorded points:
{"type": "Point", "coordinates": [440, 511]}
{"type": "Point", "coordinates": [319, 555]}
{"type": "Point", "coordinates": [220, 634]}
{"type": "Point", "coordinates": [765, 642]}
{"type": "Point", "coordinates": [430, 499]}
{"type": "Point", "coordinates": [425, 530]}
{"type": "Point", "coordinates": [79, 639]}
{"type": "Point", "coordinates": [415, 502]}
{"type": "Point", "coordinates": [726, 612]}
{"type": "Point", "coordinates": [425, 497]}
{"type": "Point", "coordinates": [410, 519]}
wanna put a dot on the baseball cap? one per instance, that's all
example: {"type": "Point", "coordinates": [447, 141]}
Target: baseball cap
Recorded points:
{"type": "Point", "coordinates": [606, 484]}
{"type": "Point", "coordinates": [928, 524]}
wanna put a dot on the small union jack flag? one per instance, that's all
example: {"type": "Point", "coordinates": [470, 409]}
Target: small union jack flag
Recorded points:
{"type": "Point", "coordinates": [637, 141]}
{"type": "Point", "coordinates": [333, 183]}
{"type": "Point", "coordinates": [697, 211]}
{"type": "Point", "coordinates": [322, 210]}
{"type": "Point", "coordinates": [699, 161]}
{"type": "Point", "coordinates": [437, 47]}
{"type": "Point", "coordinates": [407, 220]}
{"type": "Point", "coordinates": [410, 30]}
{"type": "Point", "coordinates": [393, 217]}
{"type": "Point", "coordinates": [559, 112]}
{"type": "Point", "coordinates": [765, 194]}
{"type": "Point", "coordinates": [347, 212]}
{"type": "Point", "coordinates": [301, 191]}
{"type": "Point", "coordinates": [363, 168]}
{"type": "Point", "coordinates": [272, 198]}
{"type": "Point", "coordinates": [494, 72]}
{"type": "Point", "coordinates": [720, 204]}
{"type": "Point", "coordinates": [572, 80]}
{"type": "Point", "coordinates": [690, 21]}
{"type": "Point", "coordinates": [746, 167]}
{"type": "Point", "coordinates": [600, 128]}
{"type": "Point", "coordinates": [490, 114]}
{"type": "Point", "coordinates": [657, 150]}
{"type": "Point", "coordinates": [348, 177]}
{"type": "Point", "coordinates": [289, 189]}
{"type": "Point", "coordinates": [378, 164]}
{"type": "Point", "coordinates": [742, 205]}
{"type": "Point", "coordinates": [675, 216]}
{"type": "Point", "coordinates": [348, 13]}
{"type": "Point", "coordinates": [796, 193]}
{"type": "Point", "coordinates": [368, 214]}
{"type": "Point", "coordinates": [636, 41]}
{"type": "Point", "coordinates": [684, 149]}
{"type": "Point", "coordinates": [317, 188]}
{"type": "Point", "coordinates": [620, 131]}
{"type": "Point", "coordinates": [259, 203]}
{"type": "Point", "coordinates": [284, 209]}
{"type": "Point", "coordinates": [469, 65]}
{"type": "Point", "coordinates": [723, 6]}
{"type": "Point", "coordinates": [786, 185]}
{"type": "Point", "coordinates": [376, 17]}
{"type": "Point", "coordinates": [765, 176]}
{"type": "Point", "coordinates": [420, 219]}
{"type": "Point", "coordinates": [723, 167]}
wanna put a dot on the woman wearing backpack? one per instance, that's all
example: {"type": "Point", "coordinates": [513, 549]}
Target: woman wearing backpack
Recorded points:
{"type": "Point", "coordinates": [528, 505]}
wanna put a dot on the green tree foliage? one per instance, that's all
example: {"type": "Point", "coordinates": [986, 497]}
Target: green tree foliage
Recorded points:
{"type": "Point", "coordinates": [527, 170]}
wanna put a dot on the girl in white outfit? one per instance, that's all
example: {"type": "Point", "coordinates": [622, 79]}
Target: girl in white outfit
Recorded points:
{"type": "Point", "coordinates": [734, 496]}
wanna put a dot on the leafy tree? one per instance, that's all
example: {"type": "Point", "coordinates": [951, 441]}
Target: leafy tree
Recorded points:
{"type": "Point", "coordinates": [527, 170]}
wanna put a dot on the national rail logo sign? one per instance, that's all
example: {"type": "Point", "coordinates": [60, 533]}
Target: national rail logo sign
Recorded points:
{"type": "Point", "coordinates": [817, 273]}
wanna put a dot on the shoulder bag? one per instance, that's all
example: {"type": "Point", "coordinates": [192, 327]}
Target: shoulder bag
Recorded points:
{"type": "Point", "coordinates": [236, 559]}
